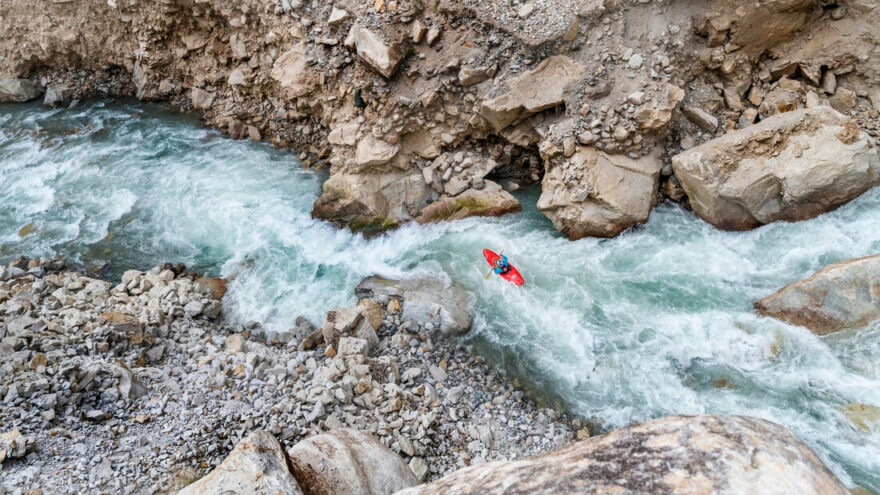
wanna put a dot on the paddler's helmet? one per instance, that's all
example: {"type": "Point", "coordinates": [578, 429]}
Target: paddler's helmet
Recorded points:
{"type": "Point", "coordinates": [498, 262]}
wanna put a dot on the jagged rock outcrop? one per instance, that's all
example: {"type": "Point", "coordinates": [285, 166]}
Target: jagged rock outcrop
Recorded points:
{"type": "Point", "coordinates": [490, 201]}
{"type": "Point", "coordinates": [840, 296]}
{"type": "Point", "coordinates": [679, 454]}
{"type": "Point", "coordinates": [532, 92]}
{"type": "Point", "coordinates": [256, 465]}
{"type": "Point", "coordinates": [792, 166]}
{"type": "Point", "coordinates": [595, 194]}
{"type": "Point", "coordinates": [348, 462]}
{"type": "Point", "coordinates": [441, 303]}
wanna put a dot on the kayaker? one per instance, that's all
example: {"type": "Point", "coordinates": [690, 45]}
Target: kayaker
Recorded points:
{"type": "Point", "coordinates": [501, 265]}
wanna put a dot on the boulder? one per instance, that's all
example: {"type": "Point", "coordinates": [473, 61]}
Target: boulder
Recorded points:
{"type": "Point", "coordinates": [372, 49]}
{"type": "Point", "coordinates": [201, 99]}
{"type": "Point", "coordinates": [344, 134]}
{"type": "Point", "coordinates": [424, 300]}
{"type": "Point", "coordinates": [596, 194]}
{"type": "Point", "coordinates": [656, 114]}
{"type": "Point", "coordinates": [215, 286]}
{"type": "Point", "coordinates": [792, 166]}
{"type": "Point", "coordinates": [349, 462]}
{"type": "Point", "coordinates": [533, 91]}
{"type": "Point", "coordinates": [257, 465]}
{"type": "Point", "coordinates": [372, 151]}
{"type": "Point", "coordinates": [13, 445]}
{"type": "Point", "coordinates": [14, 90]}
{"type": "Point", "coordinates": [839, 296]}
{"type": "Point", "coordinates": [350, 322]}
{"type": "Point", "coordinates": [291, 72]}
{"type": "Point", "coordinates": [718, 455]}
{"type": "Point", "coordinates": [490, 201]}
{"type": "Point", "coordinates": [372, 202]}
{"type": "Point", "coordinates": [58, 94]}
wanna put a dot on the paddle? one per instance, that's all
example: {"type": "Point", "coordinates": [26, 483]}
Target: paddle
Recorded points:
{"type": "Point", "coordinates": [493, 268]}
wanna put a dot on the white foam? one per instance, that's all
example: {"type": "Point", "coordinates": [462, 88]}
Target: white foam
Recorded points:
{"type": "Point", "coordinates": [657, 321]}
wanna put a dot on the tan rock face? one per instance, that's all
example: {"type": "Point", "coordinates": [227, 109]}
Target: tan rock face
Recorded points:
{"type": "Point", "coordinates": [839, 296]}
{"type": "Point", "coordinates": [529, 93]}
{"type": "Point", "coordinates": [256, 465]}
{"type": "Point", "coordinates": [349, 462]}
{"type": "Point", "coordinates": [291, 71]}
{"type": "Point", "coordinates": [792, 166]}
{"type": "Point", "coordinates": [595, 194]}
{"type": "Point", "coordinates": [490, 201]}
{"type": "Point", "coordinates": [716, 455]}
{"type": "Point", "coordinates": [756, 27]}
{"type": "Point", "coordinates": [372, 151]}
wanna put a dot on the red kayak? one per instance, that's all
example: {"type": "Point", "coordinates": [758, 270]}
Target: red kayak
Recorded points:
{"type": "Point", "coordinates": [512, 275]}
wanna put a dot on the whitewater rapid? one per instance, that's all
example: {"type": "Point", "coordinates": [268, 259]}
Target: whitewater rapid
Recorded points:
{"type": "Point", "coordinates": [657, 321]}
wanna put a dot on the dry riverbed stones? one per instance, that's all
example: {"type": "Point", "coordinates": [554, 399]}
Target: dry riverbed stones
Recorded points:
{"type": "Point", "coordinates": [140, 385]}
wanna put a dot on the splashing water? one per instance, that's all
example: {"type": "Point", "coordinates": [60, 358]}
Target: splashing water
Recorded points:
{"type": "Point", "coordinates": [657, 321]}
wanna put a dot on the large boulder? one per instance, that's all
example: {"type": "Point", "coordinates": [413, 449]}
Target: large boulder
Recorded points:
{"type": "Point", "coordinates": [490, 201]}
{"type": "Point", "coordinates": [16, 90]}
{"type": "Point", "coordinates": [718, 455]}
{"type": "Point", "coordinates": [839, 296]}
{"type": "Point", "coordinates": [433, 300]}
{"type": "Point", "coordinates": [349, 462]}
{"type": "Point", "coordinates": [533, 91]}
{"type": "Point", "coordinates": [257, 465]}
{"type": "Point", "coordinates": [792, 166]}
{"type": "Point", "coordinates": [596, 194]}
{"type": "Point", "coordinates": [372, 202]}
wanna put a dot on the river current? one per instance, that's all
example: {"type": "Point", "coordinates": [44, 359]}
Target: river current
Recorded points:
{"type": "Point", "coordinates": [657, 321]}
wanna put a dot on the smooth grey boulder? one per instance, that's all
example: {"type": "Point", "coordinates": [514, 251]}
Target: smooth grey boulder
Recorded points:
{"type": "Point", "coordinates": [14, 90]}
{"type": "Point", "coordinates": [717, 455]}
{"type": "Point", "coordinates": [840, 296]}
{"type": "Point", "coordinates": [57, 95]}
{"type": "Point", "coordinates": [349, 462]}
{"type": "Point", "coordinates": [257, 465]}
{"type": "Point", "coordinates": [424, 300]}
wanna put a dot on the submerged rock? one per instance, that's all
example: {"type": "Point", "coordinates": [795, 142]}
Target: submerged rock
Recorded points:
{"type": "Point", "coordinates": [349, 462]}
{"type": "Point", "coordinates": [839, 296]}
{"type": "Point", "coordinates": [678, 454]}
{"type": "Point", "coordinates": [595, 194]}
{"type": "Point", "coordinates": [256, 465]}
{"type": "Point", "coordinates": [792, 166]}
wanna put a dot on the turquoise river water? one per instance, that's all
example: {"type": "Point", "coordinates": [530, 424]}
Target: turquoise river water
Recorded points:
{"type": "Point", "coordinates": [657, 321]}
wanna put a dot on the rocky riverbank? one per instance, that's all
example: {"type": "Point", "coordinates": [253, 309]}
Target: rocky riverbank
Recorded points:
{"type": "Point", "coordinates": [418, 103]}
{"type": "Point", "coordinates": [141, 386]}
